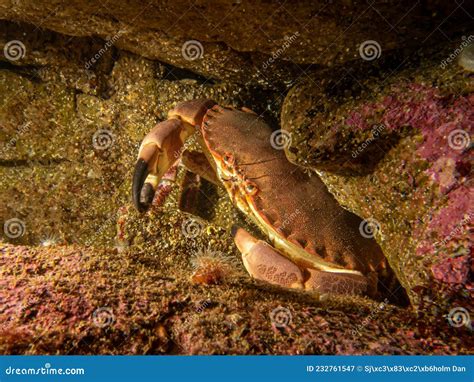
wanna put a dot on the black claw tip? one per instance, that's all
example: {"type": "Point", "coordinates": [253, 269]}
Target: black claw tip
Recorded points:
{"type": "Point", "coordinates": [139, 176]}
{"type": "Point", "coordinates": [147, 194]}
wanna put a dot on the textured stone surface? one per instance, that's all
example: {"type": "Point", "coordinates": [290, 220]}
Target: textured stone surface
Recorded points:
{"type": "Point", "coordinates": [70, 300]}
{"type": "Point", "coordinates": [396, 148]}
{"type": "Point", "coordinates": [239, 38]}
{"type": "Point", "coordinates": [54, 176]}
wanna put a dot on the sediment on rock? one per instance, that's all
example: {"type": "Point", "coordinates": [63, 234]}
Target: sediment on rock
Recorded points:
{"type": "Point", "coordinates": [393, 147]}
{"type": "Point", "coordinates": [75, 300]}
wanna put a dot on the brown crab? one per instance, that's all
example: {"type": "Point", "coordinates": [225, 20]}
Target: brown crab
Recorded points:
{"type": "Point", "coordinates": [316, 244]}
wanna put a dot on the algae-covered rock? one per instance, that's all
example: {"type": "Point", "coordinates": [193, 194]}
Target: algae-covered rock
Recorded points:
{"type": "Point", "coordinates": [68, 146]}
{"type": "Point", "coordinates": [74, 300]}
{"type": "Point", "coordinates": [80, 85]}
{"type": "Point", "coordinates": [395, 149]}
{"type": "Point", "coordinates": [244, 41]}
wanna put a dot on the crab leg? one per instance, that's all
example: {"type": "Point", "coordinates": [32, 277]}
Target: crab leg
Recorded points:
{"type": "Point", "coordinates": [163, 189]}
{"type": "Point", "coordinates": [189, 195]}
{"type": "Point", "coordinates": [266, 263]}
{"type": "Point", "coordinates": [199, 164]}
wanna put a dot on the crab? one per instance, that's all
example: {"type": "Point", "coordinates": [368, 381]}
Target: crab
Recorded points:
{"type": "Point", "coordinates": [314, 244]}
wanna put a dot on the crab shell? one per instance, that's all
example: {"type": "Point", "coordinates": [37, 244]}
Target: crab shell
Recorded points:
{"type": "Point", "coordinates": [291, 206]}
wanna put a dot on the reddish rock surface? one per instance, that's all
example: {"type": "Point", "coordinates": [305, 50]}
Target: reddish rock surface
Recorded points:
{"type": "Point", "coordinates": [76, 300]}
{"type": "Point", "coordinates": [396, 147]}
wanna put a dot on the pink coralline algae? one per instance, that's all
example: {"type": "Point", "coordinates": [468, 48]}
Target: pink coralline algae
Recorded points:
{"type": "Point", "coordinates": [451, 270]}
{"type": "Point", "coordinates": [455, 218]}
{"type": "Point", "coordinates": [446, 123]}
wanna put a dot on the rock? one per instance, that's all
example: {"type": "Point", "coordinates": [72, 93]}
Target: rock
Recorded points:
{"type": "Point", "coordinates": [74, 300]}
{"type": "Point", "coordinates": [413, 179]}
{"type": "Point", "coordinates": [249, 40]}
{"type": "Point", "coordinates": [61, 129]}
{"type": "Point", "coordinates": [81, 84]}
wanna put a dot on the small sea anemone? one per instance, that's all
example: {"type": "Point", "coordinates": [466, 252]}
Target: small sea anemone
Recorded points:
{"type": "Point", "coordinates": [213, 267]}
{"type": "Point", "coordinates": [49, 239]}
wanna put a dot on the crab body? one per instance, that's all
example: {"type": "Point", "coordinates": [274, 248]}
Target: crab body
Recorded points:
{"type": "Point", "coordinates": [315, 243]}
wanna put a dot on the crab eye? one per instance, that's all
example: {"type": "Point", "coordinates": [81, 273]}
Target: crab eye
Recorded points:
{"type": "Point", "coordinates": [251, 188]}
{"type": "Point", "coordinates": [228, 159]}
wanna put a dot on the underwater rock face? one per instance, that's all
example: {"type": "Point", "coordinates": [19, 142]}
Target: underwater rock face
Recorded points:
{"type": "Point", "coordinates": [246, 40]}
{"type": "Point", "coordinates": [69, 136]}
{"type": "Point", "coordinates": [73, 300]}
{"type": "Point", "coordinates": [97, 277]}
{"type": "Point", "coordinates": [399, 153]}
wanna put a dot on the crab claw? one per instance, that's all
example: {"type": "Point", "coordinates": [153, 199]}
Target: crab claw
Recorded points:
{"type": "Point", "coordinates": [266, 263]}
{"type": "Point", "coordinates": [160, 149]}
